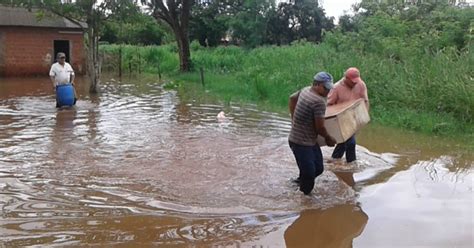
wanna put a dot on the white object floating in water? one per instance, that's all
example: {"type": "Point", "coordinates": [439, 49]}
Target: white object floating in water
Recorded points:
{"type": "Point", "coordinates": [221, 116]}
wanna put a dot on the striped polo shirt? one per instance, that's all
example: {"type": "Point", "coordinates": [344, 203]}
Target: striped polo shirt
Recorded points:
{"type": "Point", "coordinates": [309, 106]}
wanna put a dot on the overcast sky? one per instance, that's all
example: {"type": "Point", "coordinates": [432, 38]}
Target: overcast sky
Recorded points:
{"type": "Point", "coordinates": [336, 8]}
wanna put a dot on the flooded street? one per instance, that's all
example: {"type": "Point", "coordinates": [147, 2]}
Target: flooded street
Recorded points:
{"type": "Point", "coordinates": [138, 165]}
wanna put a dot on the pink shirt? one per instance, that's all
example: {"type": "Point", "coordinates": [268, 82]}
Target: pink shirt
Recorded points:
{"type": "Point", "coordinates": [342, 93]}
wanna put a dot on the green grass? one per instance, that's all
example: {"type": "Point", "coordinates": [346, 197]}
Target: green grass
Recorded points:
{"type": "Point", "coordinates": [432, 94]}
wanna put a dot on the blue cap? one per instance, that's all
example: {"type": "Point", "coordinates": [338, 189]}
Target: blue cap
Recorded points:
{"type": "Point", "coordinates": [325, 78]}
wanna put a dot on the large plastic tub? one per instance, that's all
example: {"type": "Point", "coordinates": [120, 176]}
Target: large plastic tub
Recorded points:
{"type": "Point", "coordinates": [344, 120]}
{"type": "Point", "coordinates": [65, 95]}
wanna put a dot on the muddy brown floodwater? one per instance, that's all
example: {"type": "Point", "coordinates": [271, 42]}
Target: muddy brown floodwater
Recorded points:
{"type": "Point", "coordinates": [141, 166]}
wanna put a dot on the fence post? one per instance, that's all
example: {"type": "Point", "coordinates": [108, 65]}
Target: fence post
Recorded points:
{"type": "Point", "coordinates": [159, 70]}
{"type": "Point", "coordinates": [120, 62]}
{"type": "Point", "coordinates": [139, 62]}
{"type": "Point", "coordinates": [202, 76]}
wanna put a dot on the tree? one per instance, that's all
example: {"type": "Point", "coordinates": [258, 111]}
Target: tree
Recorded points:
{"type": "Point", "coordinates": [249, 23]}
{"type": "Point", "coordinates": [402, 30]}
{"type": "Point", "coordinates": [245, 21]}
{"type": "Point", "coordinates": [176, 13]}
{"type": "Point", "coordinates": [347, 24]}
{"type": "Point", "coordinates": [93, 17]}
{"type": "Point", "coordinates": [208, 22]}
{"type": "Point", "coordinates": [278, 31]}
{"type": "Point", "coordinates": [127, 24]}
{"type": "Point", "coordinates": [299, 19]}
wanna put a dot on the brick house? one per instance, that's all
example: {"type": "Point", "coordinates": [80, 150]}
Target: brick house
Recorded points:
{"type": "Point", "coordinates": [28, 45]}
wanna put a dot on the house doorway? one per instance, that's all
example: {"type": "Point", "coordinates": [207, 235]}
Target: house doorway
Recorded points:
{"type": "Point", "coordinates": [62, 46]}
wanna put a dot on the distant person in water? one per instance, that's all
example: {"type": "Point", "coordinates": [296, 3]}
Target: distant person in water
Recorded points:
{"type": "Point", "coordinates": [307, 109]}
{"type": "Point", "coordinates": [350, 88]}
{"type": "Point", "coordinates": [62, 73]}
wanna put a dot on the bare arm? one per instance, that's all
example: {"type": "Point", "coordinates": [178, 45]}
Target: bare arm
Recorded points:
{"type": "Point", "coordinates": [71, 74]}
{"type": "Point", "coordinates": [319, 122]}
{"type": "Point", "coordinates": [52, 76]}
{"type": "Point", "coordinates": [292, 102]}
{"type": "Point", "coordinates": [72, 78]}
{"type": "Point", "coordinates": [332, 97]}
{"type": "Point", "coordinates": [52, 80]}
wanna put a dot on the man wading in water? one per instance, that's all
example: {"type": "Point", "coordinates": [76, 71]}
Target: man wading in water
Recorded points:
{"type": "Point", "coordinates": [350, 88]}
{"type": "Point", "coordinates": [60, 73]}
{"type": "Point", "coordinates": [307, 108]}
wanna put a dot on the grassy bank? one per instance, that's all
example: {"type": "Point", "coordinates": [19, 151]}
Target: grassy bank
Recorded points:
{"type": "Point", "coordinates": [432, 94]}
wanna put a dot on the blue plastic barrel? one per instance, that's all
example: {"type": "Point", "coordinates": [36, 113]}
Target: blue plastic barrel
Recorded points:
{"type": "Point", "coordinates": [65, 95]}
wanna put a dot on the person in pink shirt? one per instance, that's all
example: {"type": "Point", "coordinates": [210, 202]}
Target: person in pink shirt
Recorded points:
{"type": "Point", "coordinates": [350, 88]}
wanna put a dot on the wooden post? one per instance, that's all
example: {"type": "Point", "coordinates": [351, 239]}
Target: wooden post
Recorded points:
{"type": "Point", "coordinates": [120, 62]}
{"type": "Point", "coordinates": [202, 76]}
{"type": "Point", "coordinates": [139, 62]}
{"type": "Point", "coordinates": [159, 71]}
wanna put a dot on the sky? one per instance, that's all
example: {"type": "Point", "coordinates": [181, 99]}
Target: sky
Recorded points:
{"type": "Point", "coordinates": [336, 8]}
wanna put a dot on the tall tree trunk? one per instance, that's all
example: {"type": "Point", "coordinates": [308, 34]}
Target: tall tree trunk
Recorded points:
{"type": "Point", "coordinates": [93, 67]}
{"type": "Point", "coordinates": [93, 63]}
{"type": "Point", "coordinates": [176, 13]}
{"type": "Point", "coordinates": [184, 52]}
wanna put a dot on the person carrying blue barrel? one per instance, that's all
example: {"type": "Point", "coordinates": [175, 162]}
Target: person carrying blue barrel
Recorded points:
{"type": "Point", "coordinates": [62, 76]}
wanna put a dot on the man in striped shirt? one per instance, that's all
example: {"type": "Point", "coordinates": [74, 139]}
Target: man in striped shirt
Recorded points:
{"type": "Point", "coordinates": [307, 108]}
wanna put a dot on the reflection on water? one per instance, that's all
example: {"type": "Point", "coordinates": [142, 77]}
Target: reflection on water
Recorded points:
{"type": "Point", "coordinates": [427, 203]}
{"type": "Point", "coordinates": [334, 227]}
{"type": "Point", "coordinates": [347, 177]}
{"type": "Point", "coordinates": [139, 165]}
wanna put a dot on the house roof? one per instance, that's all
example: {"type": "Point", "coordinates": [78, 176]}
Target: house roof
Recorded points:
{"type": "Point", "coordinates": [22, 17]}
